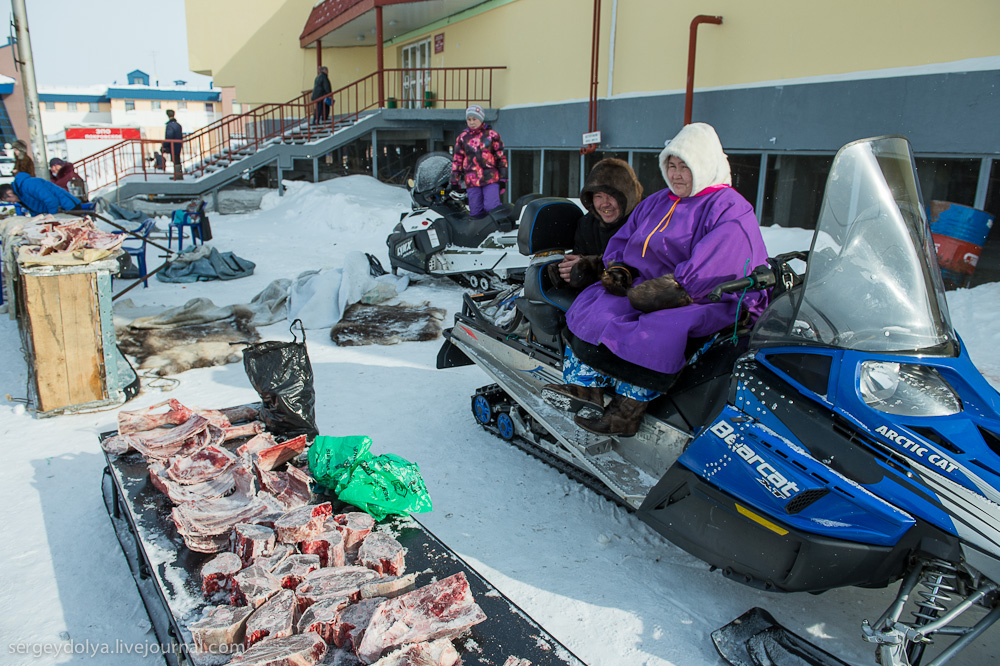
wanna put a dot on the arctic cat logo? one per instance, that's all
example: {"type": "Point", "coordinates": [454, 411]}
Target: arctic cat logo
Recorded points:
{"type": "Point", "coordinates": [405, 248]}
{"type": "Point", "coordinates": [770, 477]}
{"type": "Point", "coordinates": [916, 449]}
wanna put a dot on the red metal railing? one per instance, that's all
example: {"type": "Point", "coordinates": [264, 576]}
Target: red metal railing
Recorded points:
{"type": "Point", "coordinates": [234, 136]}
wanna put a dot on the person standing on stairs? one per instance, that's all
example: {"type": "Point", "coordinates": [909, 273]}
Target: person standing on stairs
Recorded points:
{"type": "Point", "coordinates": [321, 88]}
{"type": "Point", "coordinates": [173, 140]}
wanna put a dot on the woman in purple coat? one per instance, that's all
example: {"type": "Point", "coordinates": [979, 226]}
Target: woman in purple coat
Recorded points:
{"type": "Point", "coordinates": [675, 248]}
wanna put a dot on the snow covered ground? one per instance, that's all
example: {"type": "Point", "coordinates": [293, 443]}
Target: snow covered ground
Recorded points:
{"type": "Point", "coordinates": [601, 582]}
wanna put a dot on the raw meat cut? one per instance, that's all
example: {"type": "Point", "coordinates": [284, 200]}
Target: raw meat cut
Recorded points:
{"type": "Point", "coordinates": [302, 523]}
{"type": "Point", "coordinates": [211, 489]}
{"type": "Point", "coordinates": [217, 574]}
{"type": "Point", "coordinates": [258, 443]}
{"type": "Point", "coordinates": [185, 439]}
{"type": "Point", "coordinates": [221, 631]}
{"type": "Point", "coordinates": [332, 582]}
{"type": "Point", "coordinates": [141, 420]}
{"type": "Point", "coordinates": [277, 556]}
{"type": "Point", "coordinates": [298, 650]}
{"type": "Point", "coordinates": [444, 609]}
{"type": "Point", "coordinates": [389, 587]}
{"type": "Point", "coordinates": [208, 524]}
{"type": "Point", "coordinates": [271, 457]}
{"type": "Point", "coordinates": [288, 487]}
{"type": "Point", "coordinates": [245, 430]}
{"type": "Point", "coordinates": [275, 618]}
{"type": "Point", "coordinates": [322, 618]}
{"type": "Point", "coordinates": [382, 553]}
{"type": "Point", "coordinates": [353, 621]}
{"type": "Point", "coordinates": [516, 661]}
{"type": "Point", "coordinates": [355, 526]}
{"type": "Point", "coordinates": [252, 541]}
{"type": "Point", "coordinates": [295, 567]}
{"type": "Point", "coordinates": [200, 466]}
{"type": "Point", "coordinates": [439, 653]}
{"type": "Point", "coordinates": [329, 546]}
{"type": "Point", "coordinates": [253, 586]}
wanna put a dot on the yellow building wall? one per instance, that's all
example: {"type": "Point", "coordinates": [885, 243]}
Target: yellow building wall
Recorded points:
{"type": "Point", "coordinates": [769, 40]}
{"type": "Point", "coordinates": [546, 44]}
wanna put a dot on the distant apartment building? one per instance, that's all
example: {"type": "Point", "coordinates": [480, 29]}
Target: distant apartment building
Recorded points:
{"type": "Point", "coordinates": [78, 122]}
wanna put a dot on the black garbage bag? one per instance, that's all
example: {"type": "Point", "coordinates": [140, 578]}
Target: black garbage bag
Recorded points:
{"type": "Point", "coordinates": [281, 374]}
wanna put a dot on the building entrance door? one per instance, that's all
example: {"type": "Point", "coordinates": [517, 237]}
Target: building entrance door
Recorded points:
{"type": "Point", "coordinates": [416, 78]}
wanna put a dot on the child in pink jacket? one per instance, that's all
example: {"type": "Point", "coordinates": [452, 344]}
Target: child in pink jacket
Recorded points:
{"type": "Point", "coordinates": [480, 160]}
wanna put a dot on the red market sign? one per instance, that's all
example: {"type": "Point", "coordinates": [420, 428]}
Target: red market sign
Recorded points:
{"type": "Point", "coordinates": [439, 43]}
{"type": "Point", "coordinates": [105, 133]}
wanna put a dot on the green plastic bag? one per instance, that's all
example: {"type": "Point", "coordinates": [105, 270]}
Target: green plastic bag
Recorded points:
{"type": "Point", "coordinates": [379, 485]}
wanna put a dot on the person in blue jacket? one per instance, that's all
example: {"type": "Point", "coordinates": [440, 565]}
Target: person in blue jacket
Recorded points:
{"type": "Point", "coordinates": [38, 195]}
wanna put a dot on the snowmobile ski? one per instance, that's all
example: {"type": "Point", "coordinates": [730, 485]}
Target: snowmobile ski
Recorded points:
{"type": "Point", "coordinates": [756, 639]}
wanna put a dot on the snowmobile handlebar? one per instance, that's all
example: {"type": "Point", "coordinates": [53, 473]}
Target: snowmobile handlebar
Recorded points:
{"type": "Point", "coordinates": [763, 277]}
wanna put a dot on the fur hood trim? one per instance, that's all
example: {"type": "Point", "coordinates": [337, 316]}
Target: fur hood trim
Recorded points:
{"type": "Point", "coordinates": [615, 177]}
{"type": "Point", "coordinates": [699, 147]}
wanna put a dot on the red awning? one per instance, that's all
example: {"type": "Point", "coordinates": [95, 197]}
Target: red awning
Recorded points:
{"type": "Point", "coordinates": [352, 22]}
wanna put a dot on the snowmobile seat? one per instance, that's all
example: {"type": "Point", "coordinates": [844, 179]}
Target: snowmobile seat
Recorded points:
{"type": "Point", "coordinates": [543, 304]}
{"type": "Point", "coordinates": [547, 224]}
{"type": "Point", "coordinates": [466, 231]}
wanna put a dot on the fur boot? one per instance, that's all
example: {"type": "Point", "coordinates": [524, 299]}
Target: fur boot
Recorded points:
{"type": "Point", "coordinates": [622, 417]}
{"type": "Point", "coordinates": [587, 271]}
{"type": "Point", "coordinates": [662, 293]}
{"type": "Point", "coordinates": [572, 398]}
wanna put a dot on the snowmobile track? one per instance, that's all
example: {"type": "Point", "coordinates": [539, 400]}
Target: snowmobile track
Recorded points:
{"type": "Point", "coordinates": [497, 396]}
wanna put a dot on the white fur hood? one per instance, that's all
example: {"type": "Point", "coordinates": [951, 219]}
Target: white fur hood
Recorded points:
{"type": "Point", "coordinates": [699, 146]}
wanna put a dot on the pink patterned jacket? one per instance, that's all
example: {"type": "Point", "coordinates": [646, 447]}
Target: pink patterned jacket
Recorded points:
{"type": "Point", "coordinates": [479, 157]}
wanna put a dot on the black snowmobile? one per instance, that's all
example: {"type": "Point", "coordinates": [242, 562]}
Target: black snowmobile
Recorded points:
{"type": "Point", "coordinates": [440, 237]}
{"type": "Point", "coordinates": [847, 439]}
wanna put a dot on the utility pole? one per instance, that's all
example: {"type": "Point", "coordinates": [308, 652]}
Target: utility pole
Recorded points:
{"type": "Point", "coordinates": [30, 89]}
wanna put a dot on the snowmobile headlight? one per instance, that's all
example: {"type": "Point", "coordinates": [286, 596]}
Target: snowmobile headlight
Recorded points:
{"type": "Point", "coordinates": [907, 389]}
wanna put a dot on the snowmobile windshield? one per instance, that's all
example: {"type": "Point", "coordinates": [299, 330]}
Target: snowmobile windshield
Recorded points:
{"type": "Point", "coordinates": [433, 172]}
{"type": "Point", "coordinates": [872, 282]}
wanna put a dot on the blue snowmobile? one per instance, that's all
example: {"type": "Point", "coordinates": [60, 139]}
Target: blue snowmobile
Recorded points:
{"type": "Point", "coordinates": [846, 439]}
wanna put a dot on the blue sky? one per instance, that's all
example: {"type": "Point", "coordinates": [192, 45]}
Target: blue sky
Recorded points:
{"type": "Point", "coordinates": [90, 42]}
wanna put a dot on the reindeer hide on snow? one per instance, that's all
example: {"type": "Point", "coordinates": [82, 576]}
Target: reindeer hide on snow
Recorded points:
{"type": "Point", "coordinates": [387, 324]}
{"type": "Point", "coordinates": [168, 351]}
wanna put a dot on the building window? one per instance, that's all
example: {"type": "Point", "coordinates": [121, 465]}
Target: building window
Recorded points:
{"type": "Point", "coordinates": [129, 105]}
{"type": "Point", "coordinates": [647, 169]}
{"type": "Point", "coordinates": [746, 176]}
{"type": "Point", "coordinates": [562, 173]}
{"type": "Point", "coordinates": [793, 190]}
{"type": "Point", "coordinates": [948, 179]}
{"type": "Point", "coordinates": [525, 172]}
{"type": "Point", "coordinates": [209, 107]}
{"type": "Point", "coordinates": [71, 106]}
{"type": "Point", "coordinates": [95, 107]}
{"type": "Point", "coordinates": [50, 106]}
{"type": "Point", "coordinates": [156, 104]}
{"type": "Point", "coordinates": [182, 105]}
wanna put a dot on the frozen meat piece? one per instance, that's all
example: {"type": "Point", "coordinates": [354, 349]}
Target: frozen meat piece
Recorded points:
{"type": "Point", "coordinates": [443, 609]}
{"type": "Point", "coordinates": [302, 523]}
{"type": "Point", "coordinates": [253, 586]}
{"type": "Point", "coordinates": [296, 650]}
{"type": "Point", "coordinates": [275, 618]}
{"type": "Point", "coordinates": [221, 631]}
{"type": "Point", "coordinates": [333, 582]}
{"type": "Point", "coordinates": [322, 618]}
{"type": "Point", "coordinates": [382, 553]}
{"type": "Point", "coordinates": [329, 546]}
{"type": "Point", "coordinates": [251, 542]}
{"type": "Point", "coordinates": [294, 568]}
{"type": "Point", "coordinates": [437, 653]}
{"type": "Point", "coordinates": [217, 574]}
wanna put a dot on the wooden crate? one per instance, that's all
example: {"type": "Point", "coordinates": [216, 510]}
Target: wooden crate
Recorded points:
{"type": "Point", "coordinates": [67, 348]}
{"type": "Point", "coordinates": [65, 321]}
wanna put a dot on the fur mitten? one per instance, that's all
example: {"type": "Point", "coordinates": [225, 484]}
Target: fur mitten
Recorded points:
{"type": "Point", "coordinates": [552, 270]}
{"type": "Point", "coordinates": [587, 271]}
{"type": "Point", "coordinates": [617, 278]}
{"type": "Point", "coordinates": [662, 293]}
